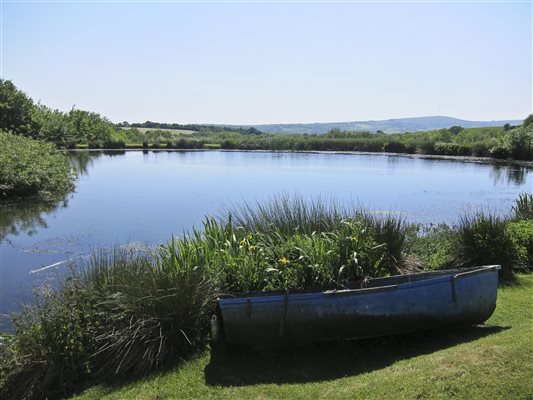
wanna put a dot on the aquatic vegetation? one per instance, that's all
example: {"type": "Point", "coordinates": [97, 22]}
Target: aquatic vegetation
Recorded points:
{"type": "Point", "coordinates": [523, 206]}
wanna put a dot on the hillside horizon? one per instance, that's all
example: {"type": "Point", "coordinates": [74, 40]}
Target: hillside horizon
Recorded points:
{"type": "Point", "coordinates": [392, 125]}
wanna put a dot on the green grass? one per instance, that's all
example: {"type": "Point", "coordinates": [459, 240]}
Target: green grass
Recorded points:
{"type": "Point", "coordinates": [487, 362]}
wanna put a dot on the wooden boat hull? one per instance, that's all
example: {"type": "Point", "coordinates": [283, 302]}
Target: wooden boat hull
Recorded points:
{"type": "Point", "coordinates": [383, 307]}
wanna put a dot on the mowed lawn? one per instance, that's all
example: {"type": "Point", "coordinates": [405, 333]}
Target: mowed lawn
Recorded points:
{"type": "Point", "coordinates": [494, 361]}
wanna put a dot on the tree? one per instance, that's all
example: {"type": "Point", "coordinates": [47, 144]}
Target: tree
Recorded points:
{"type": "Point", "coordinates": [456, 129]}
{"type": "Point", "coordinates": [528, 120]}
{"type": "Point", "coordinates": [17, 111]}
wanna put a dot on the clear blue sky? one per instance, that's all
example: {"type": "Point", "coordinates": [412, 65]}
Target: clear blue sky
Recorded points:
{"type": "Point", "coordinates": [273, 62]}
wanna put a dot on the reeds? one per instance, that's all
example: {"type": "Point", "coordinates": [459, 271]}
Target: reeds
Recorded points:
{"type": "Point", "coordinates": [523, 206]}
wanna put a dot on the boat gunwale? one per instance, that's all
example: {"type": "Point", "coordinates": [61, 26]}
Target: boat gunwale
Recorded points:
{"type": "Point", "coordinates": [433, 277]}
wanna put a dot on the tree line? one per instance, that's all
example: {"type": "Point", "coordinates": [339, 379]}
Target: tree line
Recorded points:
{"type": "Point", "coordinates": [19, 114]}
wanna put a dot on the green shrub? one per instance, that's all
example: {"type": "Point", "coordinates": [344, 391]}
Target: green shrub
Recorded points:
{"type": "Point", "coordinates": [480, 149]}
{"type": "Point", "coordinates": [427, 147]}
{"type": "Point", "coordinates": [125, 313]}
{"type": "Point", "coordinates": [521, 234]}
{"type": "Point", "coordinates": [395, 147]}
{"type": "Point", "coordinates": [114, 144]}
{"type": "Point", "coordinates": [500, 152]}
{"type": "Point", "coordinates": [483, 239]}
{"type": "Point", "coordinates": [432, 246]}
{"type": "Point", "coordinates": [32, 168]}
{"type": "Point", "coordinates": [451, 149]}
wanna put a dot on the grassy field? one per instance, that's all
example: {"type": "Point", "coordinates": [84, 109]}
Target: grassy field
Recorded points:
{"type": "Point", "coordinates": [492, 361]}
{"type": "Point", "coordinates": [181, 131]}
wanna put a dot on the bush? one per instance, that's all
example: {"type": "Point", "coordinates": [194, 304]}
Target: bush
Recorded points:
{"type": "Point", "coordinates": [521, 233]}
{"type": "Point", "coordinates": [32, 168]}
{"type": "Point", "coordinates": [432, 246]}
{"type": "Point", "coordinates": [93, 145]}
{"type": "Point", "coordinates": [125, 313]}
{"type": "Point", "coordinates": [395, 147]}
{"type": "Point", "coordinates": [451, 149]}
{"type": "Point", "coordinates": [500, 152]}
{"type": "Point", "coordinates": [480, 149]}
{"type": "Point", "coordinates": [483, 239]}
{"type": "Point", "coordinates": [114, 144]}
{"type": "Point", "coordinates": [427, 147]}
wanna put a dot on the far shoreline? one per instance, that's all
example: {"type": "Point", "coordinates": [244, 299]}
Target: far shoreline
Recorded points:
{"type": "Point", "coordinates": [464, 159]}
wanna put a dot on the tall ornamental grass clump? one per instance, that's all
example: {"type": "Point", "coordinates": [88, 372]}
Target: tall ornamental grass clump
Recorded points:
{"type": "Point", "coordinates": [125, 313]}
{"type": "Point", "coordinates": [286, 215]}
{"type": "Point", "coordinates": [482, 239]}
{"type": "Point", "coordinates": [523, 207]}
{"type": "Point", "coordinates": [32, 168]}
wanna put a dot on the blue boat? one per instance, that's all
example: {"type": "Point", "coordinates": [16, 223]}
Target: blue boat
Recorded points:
{"type": "Point", "coordinates": [370, 308]}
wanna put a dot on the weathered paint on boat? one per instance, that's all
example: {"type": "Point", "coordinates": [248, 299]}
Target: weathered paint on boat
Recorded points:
{"type": "Point", "coordinates": [377, 307]}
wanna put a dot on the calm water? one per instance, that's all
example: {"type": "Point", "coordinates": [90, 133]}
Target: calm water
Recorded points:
{"type": "Point", "coordinates": [145, 197]}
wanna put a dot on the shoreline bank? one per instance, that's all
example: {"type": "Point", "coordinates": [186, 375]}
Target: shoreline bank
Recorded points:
{"type": "Point", "coordinates": [466, 159]}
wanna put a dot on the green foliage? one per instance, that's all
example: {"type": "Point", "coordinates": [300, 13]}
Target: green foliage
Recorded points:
{"type": "Point", "coordinates": [520, 143]}
{"type": "Point", "coordinates": [451, 149]}
{"type": "Point", "coordinates": [87, 127]}
{"type": "Point", "coordinates": [523, 206]}
{"type": "Point", "coordinates": [483, 239]}
{"type": "Point", "coordinates": [455, 130]}
{"type": "Point", "coordinates": [19, 115]}
{"type": "Point", "coordinates": [501, 152]}
{"type": "Point", "coordinates": [17, 111]}
{"type": "Point", "coordinates": [521, 234]}
{"type": "Point", "coordinates": [126, 313]}
{"type": "Point", "coordinates": [32, 168]}
{"type": "Point", "coordinates": [49, 352]}
{"type": "Point", "coordinates": [496, 142]}
{"type": "Point", "coordinates": [432, 246]}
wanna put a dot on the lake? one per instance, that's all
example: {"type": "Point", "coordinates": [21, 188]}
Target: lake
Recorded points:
{"type": "Point", "coordinates": [136, 196]}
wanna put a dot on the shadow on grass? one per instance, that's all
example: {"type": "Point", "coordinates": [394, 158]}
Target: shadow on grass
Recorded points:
{"type": "Point", "coordinates": [327, 361]}
{"type": "Point", "coordinates": [514, 280]}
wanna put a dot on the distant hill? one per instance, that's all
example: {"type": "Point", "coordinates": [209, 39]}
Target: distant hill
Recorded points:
{"type": "Point", "coordinates": [398, 125]}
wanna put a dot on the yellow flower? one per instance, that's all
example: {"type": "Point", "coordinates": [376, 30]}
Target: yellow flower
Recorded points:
{"type": "Point", "coordinates": [284, 261]}
{"type": "Point", "coordinates": [252, 248]}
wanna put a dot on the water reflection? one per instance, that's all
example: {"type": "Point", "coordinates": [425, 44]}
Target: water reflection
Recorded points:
{"type": "Point", "coordinates": [81, 161]}
{"type": "Point", "coordinates": [27, 216]}
{"type": "Point", "coordinates": [113, 153]}
{"type": "Point", "coordinates": [509, 174]}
